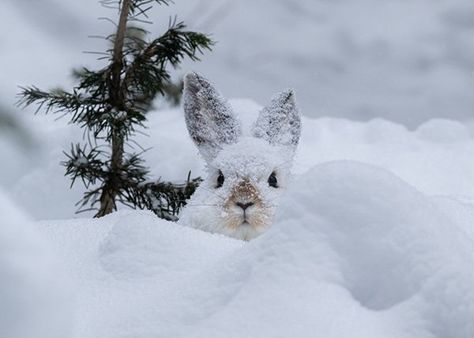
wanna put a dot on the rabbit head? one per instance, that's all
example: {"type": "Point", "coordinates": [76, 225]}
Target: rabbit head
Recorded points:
{"type": "Point", "coordinates": [247, 169]}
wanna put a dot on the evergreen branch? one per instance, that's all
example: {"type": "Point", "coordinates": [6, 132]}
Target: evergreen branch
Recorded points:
{"type": "Point", "coordinates": [87, 110]}
{"type": "Point", "coordinates": [94, 82]}
{"type": "Point", "coordinates": [91, 198]}
{"type": "Point", "coordinates": [111, 4]}
{"type": "Point", "coordinates": [140, 7]}
{"type": "Point", "coordinates": [147, 73]}
{"type": "Point", "coordinates": [178, 43]}
{"type": "Point", "coordinates": [57, 100]}
{"type": "Point", "coordinates": [84, 165]}
{"type": "Point", "coordinates": [166, 199]}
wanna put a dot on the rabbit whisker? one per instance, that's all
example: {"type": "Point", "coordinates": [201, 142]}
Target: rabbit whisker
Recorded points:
{"type": "Point", "coordinates": [201, 205]}
{"type": "Point", "coordinates": [212, 192]}
{"type": "Point", "coordinates": [270, 202]}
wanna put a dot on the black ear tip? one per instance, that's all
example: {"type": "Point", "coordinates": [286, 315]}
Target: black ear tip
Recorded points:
{"type": "Point", "coordinates": [289, 93]}
{"type": "Point", "coordinates": [285, 97]}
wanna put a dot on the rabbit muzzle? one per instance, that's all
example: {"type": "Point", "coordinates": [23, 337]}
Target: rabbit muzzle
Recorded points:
{"type": "Point", "coordinates": [245, 206]}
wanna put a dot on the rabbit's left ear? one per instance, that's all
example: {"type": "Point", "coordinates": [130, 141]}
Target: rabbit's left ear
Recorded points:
{"type": "Point", "coordinates": [209, 118]}
{"type": "Point", "coordinates": [279, 123]}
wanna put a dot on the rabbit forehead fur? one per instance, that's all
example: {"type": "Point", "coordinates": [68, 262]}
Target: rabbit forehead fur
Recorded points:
{"type": "Point", "coordinates": [251, 158]}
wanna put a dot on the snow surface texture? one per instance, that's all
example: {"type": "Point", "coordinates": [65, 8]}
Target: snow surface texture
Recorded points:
{"type": "Point", "coordinates": [355, 252]}
{"type": "Point", "coordinates": [236, 198]}
{"type": "Point", "coordinates": [33, 290]}
{"type": "Point", "coordinates": [406, 61]}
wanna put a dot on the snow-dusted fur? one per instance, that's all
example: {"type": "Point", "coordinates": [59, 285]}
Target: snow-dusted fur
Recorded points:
{"type": "Point", "coordinates": [247, 169]}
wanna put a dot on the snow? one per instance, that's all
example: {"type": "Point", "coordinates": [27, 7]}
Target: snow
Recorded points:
{"type": "Point", "coordinates": [355, 252]}
{"type": "Point", "coordinates": [373, 238]}
{"type": "Point", "coordinates": [132, 271]}
{"type": "Point", "coordinates": [33, 289]}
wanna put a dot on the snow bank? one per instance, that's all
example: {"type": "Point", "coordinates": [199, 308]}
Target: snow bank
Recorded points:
{"type": "Point", "coordinates": [355, 252]}
{"type": "Point", "coordinates": [33, 293]}
{"type": "Point", "coordinates": [133, 270]}
{"type": "Point", "coordinates": [432, 158]}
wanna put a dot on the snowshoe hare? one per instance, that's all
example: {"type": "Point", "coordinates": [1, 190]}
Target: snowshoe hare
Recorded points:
{"type": "Point", "coordinates": [247, 169]}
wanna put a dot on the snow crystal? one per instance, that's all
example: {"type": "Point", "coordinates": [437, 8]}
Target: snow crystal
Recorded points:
{"type": "Point", "coordinates": [81, 161]}
{"type": "Point", "coordinates": [120, 115]}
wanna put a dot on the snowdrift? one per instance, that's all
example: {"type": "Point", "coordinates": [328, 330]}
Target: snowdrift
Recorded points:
{"type": "Point", "coordinates": [355, 252]}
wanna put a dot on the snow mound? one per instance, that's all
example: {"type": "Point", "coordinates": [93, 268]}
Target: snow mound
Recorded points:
{"type": "Point", "coordinates": [139, 245]}
{"type": "Point", "coordinates": [355, 252]}
{"type": "Point", "coordinates": [32, 292]}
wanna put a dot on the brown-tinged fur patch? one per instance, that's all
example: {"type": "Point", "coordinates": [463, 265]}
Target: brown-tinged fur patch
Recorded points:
{"type": "Point", "coordinates": [246, 192]}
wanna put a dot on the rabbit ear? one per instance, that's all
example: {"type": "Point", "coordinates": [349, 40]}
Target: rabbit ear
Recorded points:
{"type": "Point", "coordinates": [279, 123]}
{"type": "Point", "coordinates": [209, 118]}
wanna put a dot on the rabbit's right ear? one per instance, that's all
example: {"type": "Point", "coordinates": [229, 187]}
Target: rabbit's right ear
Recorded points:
{"type": "Point", "coordinates": [209, 118]}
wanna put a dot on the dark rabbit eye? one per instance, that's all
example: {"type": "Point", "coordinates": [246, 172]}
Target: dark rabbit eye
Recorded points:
{"type": "Point", "coordinates": [220, 179]}
{"type": "Point", "coordinates": [272, 180]}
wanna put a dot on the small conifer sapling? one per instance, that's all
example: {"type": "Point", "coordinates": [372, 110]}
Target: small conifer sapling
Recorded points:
{"type": "Point", "coordinates": [112, 102]}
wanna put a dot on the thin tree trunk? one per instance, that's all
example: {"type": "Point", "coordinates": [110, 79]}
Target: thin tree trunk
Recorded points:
{"type": "Point", "coordinates": [117, 58]}
{"type": "Point", "coordinates": [110, 188]}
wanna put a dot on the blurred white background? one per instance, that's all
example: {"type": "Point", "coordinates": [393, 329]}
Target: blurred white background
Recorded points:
{"type": "Point", "coordinates": [403, 60]}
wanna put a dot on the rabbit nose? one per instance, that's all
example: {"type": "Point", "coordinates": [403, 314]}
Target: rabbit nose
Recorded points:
{"type": "Point", "coordinates": [244, 206]}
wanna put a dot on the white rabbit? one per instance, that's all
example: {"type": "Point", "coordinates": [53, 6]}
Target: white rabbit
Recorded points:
{"type": "Point", "coordinates": [247, 169]}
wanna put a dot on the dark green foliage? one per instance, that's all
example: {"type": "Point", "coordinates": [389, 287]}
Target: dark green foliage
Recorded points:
{"type": "Point", "coordinates": [112, 102]}
{"type": "Point", "coordinates": [167, 199]}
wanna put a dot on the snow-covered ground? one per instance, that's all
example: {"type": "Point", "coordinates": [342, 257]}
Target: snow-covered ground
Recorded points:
{"type": "Point", "coordinates": [373, 239]}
